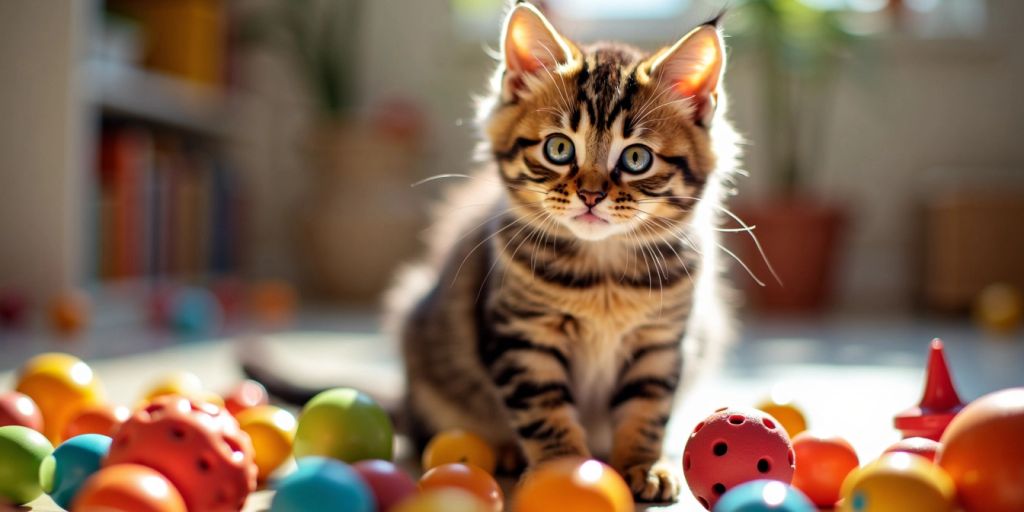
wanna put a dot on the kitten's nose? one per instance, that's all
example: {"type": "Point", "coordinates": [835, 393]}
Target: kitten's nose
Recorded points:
{"type": "Point", "coordinates": [591, 197]}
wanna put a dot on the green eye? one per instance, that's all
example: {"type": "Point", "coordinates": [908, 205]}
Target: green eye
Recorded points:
{"type": "Point", "coordinates": [559, 150]}
{"type": "Point", "coordinates": [636, 159]}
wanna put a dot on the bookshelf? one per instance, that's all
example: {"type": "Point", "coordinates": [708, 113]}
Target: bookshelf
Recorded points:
{"type": "Point", "coordinates": [64, 99]}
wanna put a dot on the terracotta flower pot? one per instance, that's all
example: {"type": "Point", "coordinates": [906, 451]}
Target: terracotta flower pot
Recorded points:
{"type": "Point", "coordinates": [801, 239]}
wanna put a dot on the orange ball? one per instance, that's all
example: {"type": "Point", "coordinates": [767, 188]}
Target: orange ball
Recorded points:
{"type": "Point", "coordinates": [459, 446]}
{"type": "Point", "coordinates": [787, 414]}
{"type": "Point", "coordinates": [468, 478]}
{"type": "Point", "coordinates": [102, 419]}
{"type": "Point", "coordinates": [128, 488]}
{"type": "Point", "coordinates": [573, 485]}
{"type": "Point", "coordinates": [273, 302]}
{"type": "Point", "coordinates": [983, 452]}
{"type": "Point", "coordinates": [822, 463]}
{"type": "Point", "coordinates": [69, 312]}
{"type": "Point", "coordinates": [922, 446]}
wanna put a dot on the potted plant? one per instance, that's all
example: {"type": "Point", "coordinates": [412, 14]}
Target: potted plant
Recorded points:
{"type": "Point", "coordinates": [361, 160]}
{"type": "Point", "coordinates": [797, 48]}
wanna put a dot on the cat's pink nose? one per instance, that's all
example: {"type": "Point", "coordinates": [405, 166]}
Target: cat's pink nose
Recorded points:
{"type": "Point", "coordinates": [591, 197]}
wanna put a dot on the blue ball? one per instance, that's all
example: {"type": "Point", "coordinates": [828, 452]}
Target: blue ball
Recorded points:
{"type": "Point", "coordinates": [71, 464]}
{"type": "Point", "coordinates": [320, 483]}
{"type": "Point", "coordinates": [195, 312]}
{"type": "Point", "coordinates": [764, 496]}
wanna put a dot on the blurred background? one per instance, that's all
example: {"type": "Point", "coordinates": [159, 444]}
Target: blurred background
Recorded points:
{"type": "Point", "coordinates": [189, 169]}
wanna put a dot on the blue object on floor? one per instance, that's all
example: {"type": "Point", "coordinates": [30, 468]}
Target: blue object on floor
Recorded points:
{"type": "Point", "coordinates": [764, 496]}
{"type": "Point", "coordinates": [320, 483]}
{"type": "Point", "coordinates": [71, 464]}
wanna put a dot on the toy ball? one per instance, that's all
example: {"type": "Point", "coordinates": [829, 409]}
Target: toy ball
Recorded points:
{"type": "Point", "coordinates": [22, 451]}
{"type": "Point", "coordinates": [60, 385]}
{"type": "Point", "coordinates": [197, 446]}
{"type": "Point", "coordinates": [102, 419]}
{"type": "Point", "coordinates": [459, 446]}
{"type": "Point", "coordinates": [898, 482]}
{"type": "Point", "coordinates": [390, 485]}
{"type": "Point", "coordinates": [983, 451]}
{"type": "Point", "coordinates": [786, 414]}
{"type": "Point", "coordinates": [344, 424]}
{"type": "Point", "coordinates": [733, 446]}
{"type": "Point", "coordinates": [158, 304]}
{"type": "Point", "coordinates": [468, 478]}
{"type": "Point", "coordinates": [186, 384]}
{"type": "Point", "coordinates": [922, 446]}
{"type": "Point", "coordinates": [999, 308]}
{"type": "Point", "coordinates": [128, 488]}
{"type": "Point", "coordinates": [18, 409]}
{"type": "Point", "coordinates": [67, 468]}
{"type": "Point", "coordinates": [231, 293]}
{"type": "Point", "coordinates": [69, 312]}
{"type": "Point", "coordinates": [195, 312]}
{"type": "Point", "coordinates": [320, 483]}
{"type": "Point", "coordinates": [764, 496]}
{"type": "Point", "coordinates": [822, 463]}
{"type": "Point", "coordinates": [443, 500]}
{"type": "Point", "coordinates": [574, 485]}
{"type": "Point", "coordinates": [246, 395]}
{"type": "Point", "coordinates": [273, 302]}
{"type": "Point", "coordinates": [272, 431]}
{"type": "Point", "coordinates": [13, 305]}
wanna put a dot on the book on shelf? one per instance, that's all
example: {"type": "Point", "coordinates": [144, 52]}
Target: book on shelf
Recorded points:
{"type": "Point", "coordinates": [167, 207]}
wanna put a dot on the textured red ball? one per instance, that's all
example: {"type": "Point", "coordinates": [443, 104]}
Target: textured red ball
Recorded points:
{"type": "Point", "coordinates": [197, 446]}
{"type": "Point", "coordinates": [734, 446]}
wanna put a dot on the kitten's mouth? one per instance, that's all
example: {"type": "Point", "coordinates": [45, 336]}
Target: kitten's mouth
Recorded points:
{"type": "Point", "coordinates": [590, 218]}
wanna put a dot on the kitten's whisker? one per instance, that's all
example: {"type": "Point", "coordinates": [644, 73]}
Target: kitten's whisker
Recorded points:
{"type": "Point", "coordinates": [492, 217]}
{"type": "Point", "coordinates": [526, 223]}
{"type": "Point", "coordinates": [481, 178]}
{"type": "Point", "coordinates": [749, 230]}
{"type": "Point", "coordinates": [475, 247]}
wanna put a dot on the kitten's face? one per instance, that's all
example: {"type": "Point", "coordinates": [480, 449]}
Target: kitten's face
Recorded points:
{"type": "Point", "coordinates": [599, 140]}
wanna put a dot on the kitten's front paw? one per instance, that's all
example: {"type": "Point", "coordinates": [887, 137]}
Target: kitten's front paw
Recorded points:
{"type": "Point", "coordinates": [658, 482]}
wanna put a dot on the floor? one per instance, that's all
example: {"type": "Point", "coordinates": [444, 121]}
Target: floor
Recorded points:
{"type": "Point", "coordinates": [850, 375]}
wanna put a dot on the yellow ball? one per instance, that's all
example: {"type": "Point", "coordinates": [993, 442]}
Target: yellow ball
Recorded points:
{"type": "Point", "coordinates": [61, 385]}
{"type": "Point", "coordinates": [788, 415]}
{"type": "Point", "coordinates": [272, 431]}
{"type": "Point", "coordinates": [186, 384]}
{"type": "Point", "coordinates": [898, 482]}
{"type": "Point", "coordinates": [999, 308]}
{"type": "Point", "coordinates": [461, 447]}
{"type": "Point", "coordinates": [442, 500]}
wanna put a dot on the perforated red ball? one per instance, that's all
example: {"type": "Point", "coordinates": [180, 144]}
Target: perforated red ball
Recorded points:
{"type": "Point", "coordinates": [199, 447]}
{"type": "Point", "coordinates": [734, 446]}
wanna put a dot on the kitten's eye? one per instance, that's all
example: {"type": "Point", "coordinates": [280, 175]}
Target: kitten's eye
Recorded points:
{"type": "Point", "coordinates": [636, 159]}
{"type": "Point", "coordinates": [559, 150]}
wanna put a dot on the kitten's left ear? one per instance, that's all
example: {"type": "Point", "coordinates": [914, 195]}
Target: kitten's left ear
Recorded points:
{"type": "Point", "coordinates": [693, 69]}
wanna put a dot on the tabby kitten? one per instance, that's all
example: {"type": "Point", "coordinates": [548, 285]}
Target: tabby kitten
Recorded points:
{"type": "Point", "coordinates": [564, 316]}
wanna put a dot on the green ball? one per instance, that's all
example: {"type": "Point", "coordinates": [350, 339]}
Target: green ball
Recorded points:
{"type": "Point", "coordinates": [22, 451]}
{"type": "Point", "coordinates": [344, 424]}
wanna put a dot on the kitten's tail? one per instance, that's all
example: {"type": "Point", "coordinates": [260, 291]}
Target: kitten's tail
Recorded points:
{"type": "Point", "coordinates": [259, 362]}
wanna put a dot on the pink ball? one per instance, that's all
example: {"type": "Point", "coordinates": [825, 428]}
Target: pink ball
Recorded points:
{"type": "Point", "coordinates": [922, 446]}
{"type": "Point", "coordinates": [390, 485]}
{"type": "Point", "coordinates": [734, 446]}
{"type": "Point", "coordinates": [19, 409]}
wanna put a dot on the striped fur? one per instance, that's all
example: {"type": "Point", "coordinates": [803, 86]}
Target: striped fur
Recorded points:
{"type": "Point", "coordinates": [555, 336]}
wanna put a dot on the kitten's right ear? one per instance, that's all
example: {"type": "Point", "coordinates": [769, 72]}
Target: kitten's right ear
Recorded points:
{"type": "Point", "coordinates": [530, 45]}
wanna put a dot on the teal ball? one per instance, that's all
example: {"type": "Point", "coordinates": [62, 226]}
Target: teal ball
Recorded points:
{"type": "Point", "coordinates": [71, 464]}
{"type": "Point", "coordinates": [764, 496]}
{"type": "Point", "coordinates": [195, 312]}
{"type": "Point", "coordinates": [321, 483]}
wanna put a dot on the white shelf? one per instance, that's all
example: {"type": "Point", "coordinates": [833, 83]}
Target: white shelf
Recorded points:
{"type": "Point", "coordinates": [158, 98]}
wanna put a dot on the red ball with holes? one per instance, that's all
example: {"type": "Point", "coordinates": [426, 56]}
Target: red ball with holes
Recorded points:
{"type": "Point", "coordinates": [733, 446]}
{"type": "Point", "coordinates": [197, 446]}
